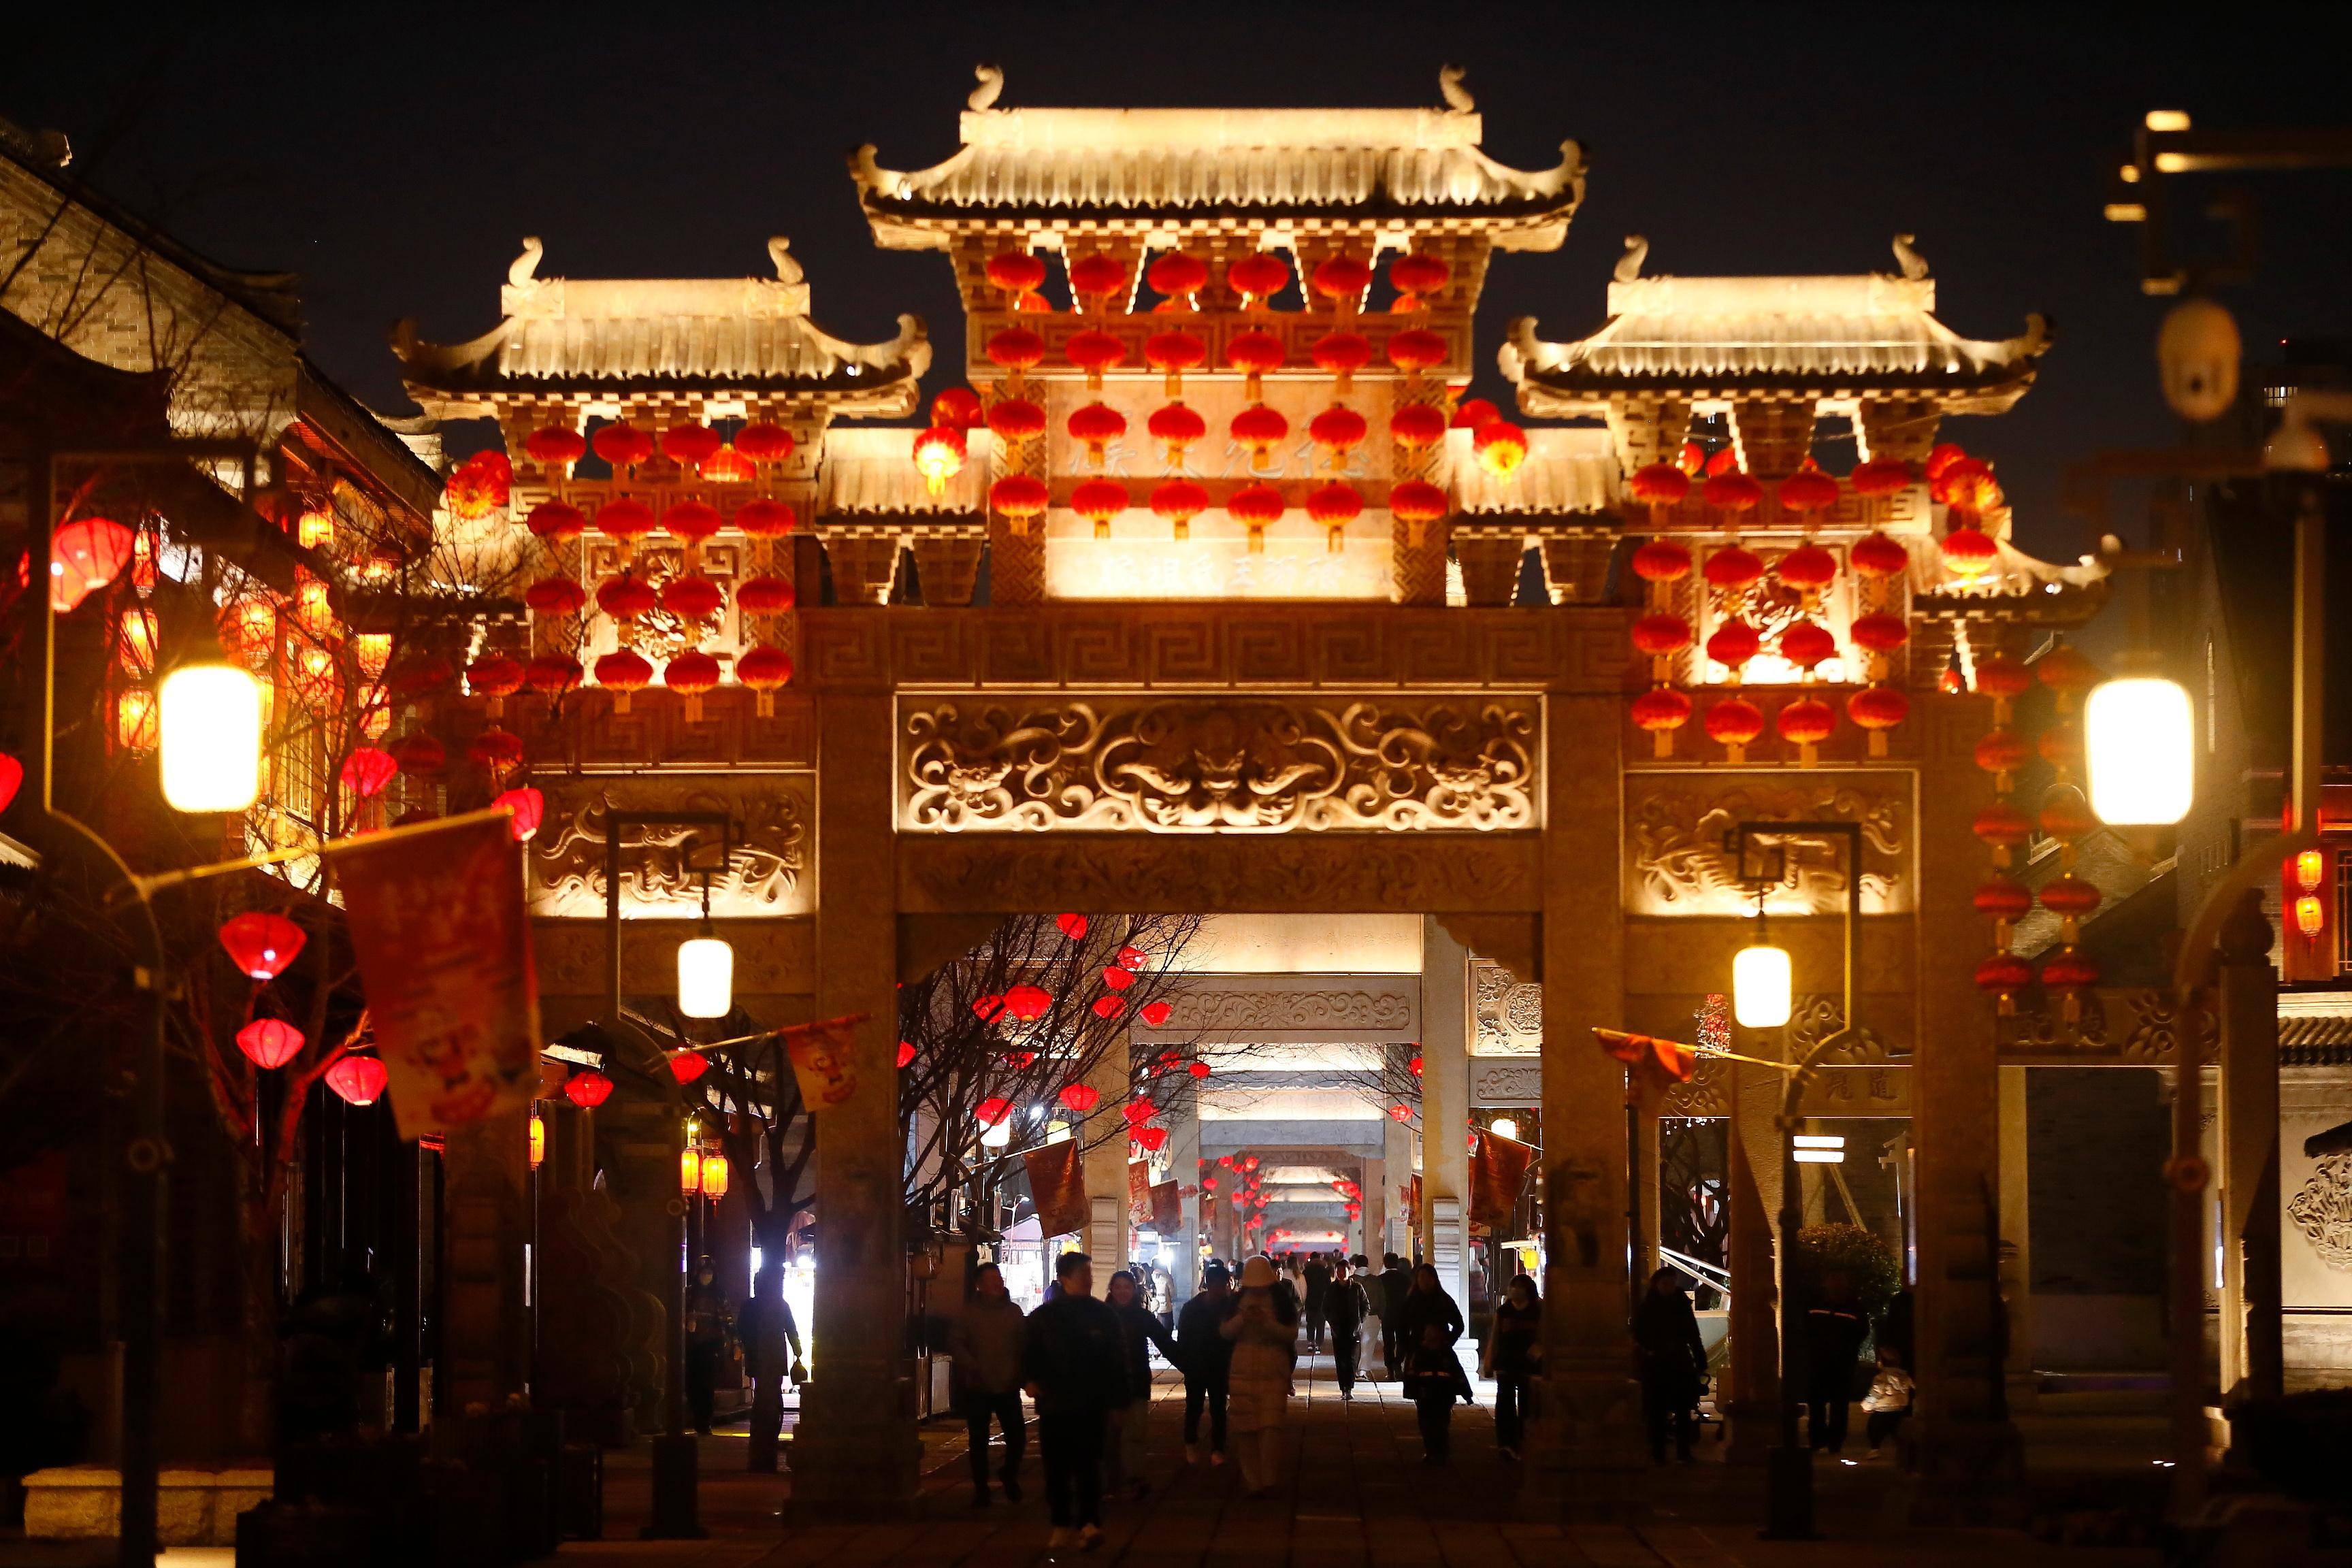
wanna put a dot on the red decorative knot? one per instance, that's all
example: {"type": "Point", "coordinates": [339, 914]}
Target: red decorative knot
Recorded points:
{"type": "Point", "coordinates": [1417, 501]}
{"type": "Point", "coordinates": [1341, 277]}
{"type": "Point", "coordinates": [692, 598]}
{"type": "Point", "coordinates": [764, 595]}
{"type": "Point", "coordinates": [2069, 897]}
{"type": "Point", "coordinates": [1733, 567]}
{"type": "Point", "coordinates": [1177, 275]}
{"type": "Point", "coordinates": [1016, 420]}
{"type": "Point", "coordinates": [1879, 477]}
{"type": "Point", "coordinates": [625, 597]}
{"type": "Point", "coordinates": [1416, 350]}
{"type": "Point", "coordinates": [2000, 899]}
{"type": "Point", "coordinates": [2003, 973]}
{"type": "Point", "coordinates": [2067, 814]}
{"type": "Point", "coordinates": [1663, 561]}
{"type": "Point", "coordinates": [1998, 675]}
{"type": "Point", "coordinates": [1258, 274]}
{"type": "Point", "coordinates": [1015, 348]}
{"type": "Point", "coordinates": [1258, 427]}
{"type": "Point", "coordinates": [556, 521]}
{"type": "Point", "coordinates": [555, 596]}
{"type": "Point", "coordinates": [1806, 643]}
{"type": "Point", "coordinates": [1661, 708]}
{"type": "Point", "coordinates": [1660, 484]}
{"type": "Point", "coordinates": [1176, 426]}
{"type": "Point", "coordinates": [1096, 425]}
{"type": "Point", "coordinates": [1878, 556]}
{"type": "Point", "coordinates": [495, 750]}
{"type": "Point", "coordinates": [624, 671]}
{"type": "Point", "coordinates": [1094, 352]}
{"type": "Point", "coordinates": [1881, 632]}
{"type": "Point", "coordinates": [625, 518]}
{"type": "Point", "coordinates": [2070, 969]}
{"type": "Point", "coordinates": [1660, 634]}
{"type": "Point", "coordinates": [1017, 272]}
{"type": "Point", "coordinates": [555, 444]}
{"type": "Point", "coordinates": [690, 444]}
{"type": "Point", "coordinates": [261, 945]}
{"type": "Point", "coordinates": [622, 445]}
{"type": "Point", "coordinates": [1808, 567]}
{"type": "Point", "coordinates": [1179, 502]}
{"type": "Point", "coordinates": [1806, 721]}
{"type": "Point", "coordinates": [2002, 752]}
{"type": "Point", "coordinates": [1098, 274]}
{"type": "Point", "coordinates": [1733, 644]}
{"type": "Point", "coordinates": [419, 754]}
{"type": "Point", "coordinates": [1734, 721]}
{"type": "Point", "coordinates": [765, 519]}
{"type": "Point", "coordinates": [1878, 708]}
{"type": "Point", "coordinates": [766, 443]}
{"type": "Point", "coordinates": [1501, 446]}
{"type": "Point", "coordinates": [2003, 825]}
{"type": "Point", "coordinates": [2061, 745]}
{"type": "Point", "coordinates": [1020, 496]}
{"type": "Point", "coordinates": [1808, 489]}
{"type": "Point", "coordinates": [1732, 491]}
{"type": "Point", "coordinates": [2067, 670]}
{"type": "Point", "coordinates": [1420, 273]}
{"type": "Point", "coordinates": [1337, 428]}
{"type": "Point", "coordinates": [1100, 501]}
{"type": "Point", "coordinates": [1969, 551]}
{"type": "Point", "coordinates": [1417, 425]}
{"type": "Point", "coordinates": [553, 673]}
{"type": "Point", "coordinates": [692, 521]}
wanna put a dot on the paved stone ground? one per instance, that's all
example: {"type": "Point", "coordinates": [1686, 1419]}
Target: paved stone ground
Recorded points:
{"type": "Point", "coordinates": [1354, 1492]}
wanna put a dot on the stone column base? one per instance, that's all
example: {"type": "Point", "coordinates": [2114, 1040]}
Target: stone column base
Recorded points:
{"type": "Point", "coordinates": [1751, 1428]}
{"type": "Point", "coordinates": [1971, 1473]}
{"type": "Point", "coordinates": [857, 1456]}
{"type": "Point", "coordinates": [1585, 1460]}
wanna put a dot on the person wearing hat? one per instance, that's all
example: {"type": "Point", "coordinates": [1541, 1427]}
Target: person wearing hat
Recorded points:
{"type": "Point", "coordinates": [1264, 1329]}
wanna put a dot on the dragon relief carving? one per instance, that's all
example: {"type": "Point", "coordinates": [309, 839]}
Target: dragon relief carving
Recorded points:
{"type": "Point", "coordinates": [765, 876]}
{"type": "Point", "coordinates": [2322, 1210]}
{"type": "Point", "coordinates": [1268, 766]}
{"type": "Point", "coordinates": [1677, 863]}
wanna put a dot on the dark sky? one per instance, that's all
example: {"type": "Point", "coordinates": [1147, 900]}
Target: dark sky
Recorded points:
{"type": "Point", "coordinates": [395, 158]}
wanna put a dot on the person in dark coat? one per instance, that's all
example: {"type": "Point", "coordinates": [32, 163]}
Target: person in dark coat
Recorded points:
{"type": "Point", "coordinates": [1317, 1277]}
{"type": "Point", "coordinates": [1835, 1327]}
{"type": "Point", "coordinates": [1396, 1284]}
{"type": "Point", "coordinates": [1513, 1349]}
{"type": "Point", "coordinates": [1673, 1361]}
{"type": "Point", "coordinates": [710, 1316]}
{"type": "Point", "coordinates": [986, 1346]}
{"type": "Point", "coordinates": [1131, 1419]}
{"type": "Point", "coordinates": [1075, 1370]}
{"type": "Point", "coordinates": [1206, 1356]}
{"type": "Point", "coordinates": [771, 1353]}
{"type": "Point", "coordinates": [1434, 1380]}
{"type": "Point", "coordinates": [1345, 1308]}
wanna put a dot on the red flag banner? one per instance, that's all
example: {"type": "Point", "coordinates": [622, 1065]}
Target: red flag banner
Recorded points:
{"type": "Point", "coordinates": [1138, 1192]}
{"type": "Point", "coordinates": [437, 922]}
{"type": "Point", "coordinates": [1647, 1052]}
{"type": "Point", "coordinates": [1498, 1174]}
{"type": "Point", "coordinates": [820, 1054]}
{"type": "Point", "coordinates": [1057, 1181]}
{"type": "Point", "coordinates": [1167, 1209]}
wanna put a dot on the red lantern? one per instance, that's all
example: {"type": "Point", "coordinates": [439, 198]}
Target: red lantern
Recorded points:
{"type": "Point", "coordinates": [1663, 561]}
{"type": "Point", "coordinates": [1020, 497]}
{"type": "Point", "coordinates": [1335, 506]}
{"type": "Point", "coordinates": [623, 672]}
{"type": "Point", "coordinates": [1199, 1070]}
{"type": "Point", "coordinates": [2002, 676]}
{"type": "Point", "coordinates": [528, 807]}
{"type": "Point", "coordinates": [2000, 899]}
{"type": "Point", "coordinates": [555, 444]}
{"type": "Point", "coordinates": [1732, 567]}
{"type": "Point", "coordinates": [1336, 429]}
{"type": "Point", "coordinates": [1176, 427]}
{"type": "Point", "coordinates": [1417, 503]}
{"type": "Point", "coordinates": [1340, 279]}
{"type": "Point", "coordinates": [1419, 274]}
{"type": "Point", "coordinates": [1880, 633]}
{"type": "Point", "coordinates": [987, 1009]}
{"type": "Point", "coordinates": [85, 556]}
{"type": "Point", "coordinates": [938, 454]}
{"type": "Point", "coordinates": [765, 596]}
{"type": "Point", "coordinates": [1660, 485]}
{"type": "Point", "coordinates": [1416, 350]}
{"type": "Point", "coordinates": [556, 521]}
{"type": "Point", "coordinates": [1880, 476]}
{"type": "Point", "coordinates": [1016, 420]}
{"type": "Point", "coordinates": [1733, 644]}
{"type": "Point", "coordinates": [1806, 721]}
{"type": "Point", "coordinates": [1414, 426]}
{"type": "Point", "coordinates": [1878, 708]}
{"type": "Point", "coordinates": [991, 1110]}
{"type": "Point", "coordinates": [555, 597]}
{"type": "Point", "coordinates": [1017, 272]}
{"type": "Point", "coordinates": [1153, 1139]}
{"type": "Point", "coordinates": [690, 445]}
{"type": "Point", "coordinates": [1340, 355]}
{"type": "Point", "coordinates": [691, 674]}
{"type": "Point", "coordinates": [2067, 814]}
{"type": "Point", "coordinates": [1660, 635]}
{"type": "Point", "coordinates": [1878, 556]}
{"type": "Point", "coordinates": [1177, 275]}
{"type": "Point", "coordinates": [1072, 926]}
{"type": "Point", "coordinates": [1413, 1067]}
{"type": "Point", "coordinates": [270, 1043]}
{"type": "Point", "coordinates": [2067, 670]}
{"type": "Point", "coordinates": [766, 519]}
{"type": "Point", "coordinates": [627, 597]}
{"type": "Point", "coordinates": [1257, 275]}
{"type": "Point", "coordinates": [1734, 722]}
{"type": "Point", "coordinates": [688, 1066]}
{"type": "Point", "coordinates": [359, 1080]}
{"type": "Point", "coordinates": [622, 445]}
{"type": "Point", "coordinates": [588, 1088]}
{"type": "Point", "coordinates": [1108, 1006]}
{"type": "Point", "coordinates": [1116, 978]}
{"type": "Point", "coordinates": [906, 1054]}
{"type": "Point", "coordinates": [1138, 1112]}
{"type": "Point", "coordinates": [1096, 425]}
{"type": "Point", "coordinates": [1661, 708]}
{"type": "Point", "coordinates": [261, 945]}
{"type": "Point", "coordinates": [1177, 502]}
{"type": "Point", "coordinates": [764, 669]}
{"type": "Point", "coordinates": [1154, 1013]}
{"type": "Point", "coordinates": [1133, 958]}
{"type": "Point", "coordinates": [767, 443]}
{"type": "Point", "coordinates": [367, 770]}
{"type": "Point", "coordinates": [1476, 414]}
{"type": "Point", "coordinates": [958, 408]}
{"type": "Point", "coordinates": [692, 598]}
{"type": "Point", "coordinates": [1256, 507]}
{"type": "Point", "coordinates": [1400, 1112]}
{"type": "Point", "coordinates": [1100, 501]}
{"type": "Point", "coordinates": [1501, 446]}
{"type": "Point", "coordinates": [2004, 972]}
{"type": "Point", "coordinates": [1080, 1097]}
{"type": "Point", "coordinates": [1027, 1003]}
{"type": "Point", "coordinates": [497, 751]}
{"type": "Point", "coordinates": [2070, 969]}
{"type": "Point", "coordinates": [1173, 353]}
{"type": "Point", "coordinates": [2003, 825]}
{"type": "Point", "coordinates": [1255, 353]}
{"type": "Point", "coordinates": [2002, 752]}
{"type": "Point", "coordinates": [1097, 275]}
{"type": "Point", "coordinates": [1969, 552]}
{"type": "Point", "coordinates": [2069, 897]}
{"type": "Point", "coordinates": [1806, 643]}
{"type": "Point", "coordinates": [12, 778]}
{"type": "Point", "coordinates": [551, 673]}
{"type": "Point", "coordinates": [1808, 489]}
{"type": "Point", "coordinates": [1807, 568]}
{"type": "Point", "coordinates": [1015, 349]}
{"type": "Point", "coordinates": [1096, 353]}
{"type": "Point", "coordinates": [1732, 491]}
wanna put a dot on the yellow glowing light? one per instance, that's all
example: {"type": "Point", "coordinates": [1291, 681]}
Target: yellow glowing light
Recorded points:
{"type": "Point", "coordinates": [311, 609]}
{"type": "Point", "coordinates": [139, 635]}
{"type": "Point", "coordinates": [2168, 120]}
{"type": "Point", "coordinates": [2139, 742]}
{"type": "Point", "coordinates": [2310, 916]}
{"type": "Point", "coordinates": [374, 651]}
{"type": "Point", "coordinates": [317, 531]}
{"type": "Point", "coordinates": [1504, 1127]}
{"type": "Point", "coordinates": [2309, 867]}
{"type": "Point", "coordinates": [211, 734]}
{"type": "Point", "coordinates": [134, 720]}
{"type": "Point", "coordinates": [255, 629]}
{"type": "Point", "coordinates": [690, 1171]}
{"type": "Point", "coordinates": [538, 1141]}
{"type": "Point", "coordinates": [999, 1136]}
{"type": "Point", "coordinates": [706, 977]}
{"type": "Point", "coordinates": [1762, 987]}
{"type": "Point", "coordinates": [714, 1177]}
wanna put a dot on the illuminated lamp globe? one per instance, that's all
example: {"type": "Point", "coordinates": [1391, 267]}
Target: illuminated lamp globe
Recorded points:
{"type": "Point", "coordinates": [359, 1080]}
{"type": "Point", "coordinates": [690, 445]}
{"type": "Point", "coordinates": [1096, 353]}
{"type": "Point", "coordinates": [210, 718]}
{"type": "Point", "coordinates": [1501, 446]}
{"type": "Point", "coordinates": [1340, 355]}
{"type": "Point", "coordinates": [1417, 349]}
{"type": "Point", "coordinates": [622, 445]}
{"type": "Point", "coordinates": [551, 673]}
{"type": "Point", "coordinates": [1257, 277]}
{"type": "Point", "coordinates": [1732, 567]}
{"type": "Point", "coordinates": [1733, 644]}
{"type": "Point", "coordinates": [1016, 420]}
{"type": "Point", "coordinates": [1419, 274]}
{"type": "Point", "coordinates": [1806, 644]}
{"type": "Point", "coordinates": [1176, 426]}
{"type": "Point", "coordinates": [1020, 497]}
{"type": "Point", "coordinates": [1177, 502]}
{"type": "Point", "coordinates": [1808, 489]}
{"type": "Point", "coordinates": [2000, 899]}
{"type": "Point", "coordinates": [556, 521]}
{"type": "Point", "coordinates": [1762, 986]}
{"type": "Point", "coordinates": [766, 519]}
{"type": "Point", "coordinates": [1880, 633]}
{"type": "Point", "coordinates": [1178, 275]}
{"type": "Point", "coordinates": [705, 976]}
{"type": "Point", "coordinates": [938, 454]}
{"type": "Point", "coordinates": [1878, 556]}
{"type": "Point", "coordinates": [1732, 491]}
{"type": "Point", "coordinates": [1806, 721]}
{"type": "Point", "coordinates": [765, 443]}
{"type": "Point", "coordinates": [1173, 353]}
{"type": "Point", "coordinates": [1663, 561]}
{"type": "Point", "coordinates": [1734, 722]}
{"type": "Point", "coordinates": [1096, 425]}
{"type": "Point", "coordinates": [2139, 742]}
{"type": "Point", "coordinates": [1660, 634]}
{"type": "Point", "coordinates": [692, 598]}
{"type": "Point", "coordinates": [1100, 501]}
{"type": "Point", "coordinates": [958, 408]}
{"type": "Point", "coordinates": [1880, 477]}
{"type": "Point", "coordinates": [1808, 568]}
{"type": "Point", "coordinates": [1255, 353]}
{"type": "Point", "coordinates": [1969, 552]}
{"type": "Point", "coordinates": [588, 1088]}
{"type": "Point", "coordinates": [1027, 1003]}
{"type": "Point", "coordinates": [270, 1043]}
{"type": "Point", "coordinates": [1017, 272]}
{"type": "Point", "coordinates": [553, 444]}
{"type": "Point", "coordinates": [1097, 275]}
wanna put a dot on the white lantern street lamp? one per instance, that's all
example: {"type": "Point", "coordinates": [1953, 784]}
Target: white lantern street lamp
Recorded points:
{"type": "Point", "coordinates": [1505, 1127]}
{"type": "Point", "coordinates": [2139, 742]}
{"type": "Point", "coordinates": [211, 740]}
{"type": "Point", "coordinates": [1762, 985]}
{"type": "Point", "coordinates": [705, 976]}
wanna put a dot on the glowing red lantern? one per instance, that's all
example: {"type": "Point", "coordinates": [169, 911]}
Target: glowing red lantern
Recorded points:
{"type": "Point", "coordinates": [588, 1088]}
{"type": "Point", "coordinates": [621, 444]}
{"type": "Point", "coordinates": [2002, 825]}
{"type": "Point", "coordinates": [1880, 633]}
{"type": "Point", "coordinates": [1806, 721]}
{"type": "Point", "coordinates": [1476, 414]}
{"type": "Point", "coordinates": [1335, 506]}
{"type": "Point", "coordinates": [1400, 1112]}
{"type": "Point", "coordinates": [991, 1110]}
{"type": "Point", "coordinates": [1177, 502]}
{"type": "Point", "coordinates": [906, 1054]}
{"type": "Point", "coordinates": [690, 445]}
{"type": "Point", "coordinates": [1732, 491]}
{"type": "Point", "coordinates": [1806, 644]}
{"type": "Point", "coordinates": [1733, 644]}
{"type": "Point", "coordinates": [1096, 425]}
{"type": "Point", "coordinates": [988, 1008]}
{"type": "Point", "coordinates": [1808, 569]}
{"type": "Point", "coordinates": [1072, 926]}
{"type": "Point", "coordinates": [1257, 275]}
{"type": "Point", "coordinates": [1153, 1139]}
{"type": "Point", "coordinates": [1256, 507]}
{"type": "Point", "coordinates": [1177, 275]}
{"type": "Point", "coordinates": [1027, 1003]}
{"type": "Point", "coordinates": [2002, 752]}
{"type": "Point", "coordinates": [1173, 353]}
{"type": "Point", "coordinates": [85, 556]}
{"type": "Point", "coordinates": [1880, 477]}
{"type": "Point", "coordinates": [1501, 446]}
{"type": "Point", "coordinates": [1100, 501]}
{"type": "Point", "coordinates": [551, 673]}
{"type": "Point", "coordinates": [498, 751]}
{"type": "Point", "coordinates": [1108, 1006]}
{"type": "Point", "coordinates": [1116, 978]}
{"type": "Point", "coordinates": [627, 597]}
{"type": "Point", "coordinates": [1259, 428]}
{"type": "Point", "coordinates": [1733, 567]}
{"type": "Point", "coordinates": [1417, 503]}
{"type": "Point", "coordinates": [12, 778]}
{"type": "Point", "coordinates": [270, 1043]}
{"type": "Point", "coordinates": [1808, 489]}
{"type": "Point", "coordinates": [1660, 635]}
{"type": "Point", "coordinates": [1133, 958]}
{"type": "Point", "coordinates": [359, 1080]}
{"type": "Point", "coordinates": [556, 521]}
{"type": "Point", "coordinates": [555, 444]}
{"type": "Point", "coordinates": [1969, 552]}
{"type": "Point", "coordinates": [764, 519]}
{"type": "Point", "coordinates": [692, 598]}
{"type": "Point", "coordinates": [1878, 708]}
{"type": "Point", "coordinates": [261, 945]}
{"type": "Point", "coordinates": [2069, 897]}
{"type": "Point", "coordinates": [1096, 353]}
{"type": "Point", "coordinates": [2000, 676]}
{"type": "Point", "coordinates": [1878, 556]}
{"type": "Point", "coordinates": [2070, 969]}
{"type": "Point", "coordinates": [1255, 353]}
{"type": "Point", "coordinates": [1015, 350]}
{"type": "Point", "coordinates": [1199, 1070]}
{"type": "Point", "coordinates": [1020, 497]}
{"type": "Point", "coordinates": [1097, 275]}
{"type": "Point", "coordinates": [527, 809]}
{"type": "Point", "coordinates": [692, 675]}
{"type": "Point", "coordinates": [1017, 272]}
{"type": "Point", "coordinates": [2065, 813]}
{"type": "Point", "coordinates": [1416, 350]}
{"type": "Point", "coordinates": [958, 408]}
{"type": "Point", "coordinates": [764, 669]}
{"type": "Point", "coordinates": [623, 672]}
{"type": "Point", "coordinates": [1154, 1013]}
{"type": "Point", "coordinates": [1138, 1112]}
{"type": "Point", "coordinates": [1662, 561]}
{"type": "Point", "coordinates": [1661, 708]}
{"type": "Point", "coordinates": [1419, 274]}
{"type": "Point", "coordinates": [1414, 426]}
{"type": "Point", "coordinates": [765, 443]}
{"type": "Point", "coordinates": [1337, 430]}
{"type": "Point", "coordinates": [2002, 899]}
{"type": "Point", "coordinates": [367, 770]}
{"type": "Point", "coordinates": [1734, 722]}
{"type": "Point", "coordinates": [555, 597]}
{"type": "Point", "coordinates": [688, 1066]}
{"type": "Point", "coordinates": [1016, 420]}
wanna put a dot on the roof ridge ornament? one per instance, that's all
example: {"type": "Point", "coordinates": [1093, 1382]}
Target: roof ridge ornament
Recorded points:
{"type": "Point", "coordinates": [1629, 266]}
{"type": "Point", "coordinates": [1913, 265]}
{"type": "Point", "coordinates": [524, 268]}
{"type": "Point", "coordinates": [990, 87]}
{"type": "Point", "coordinates": [788, 270]}
{"type": "Point", "coordinates": [1457, 97]}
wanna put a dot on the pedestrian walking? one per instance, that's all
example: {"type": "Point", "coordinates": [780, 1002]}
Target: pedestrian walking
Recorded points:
{"type": "Point", "coordinates": [986, 1349]}
{"type": "Point", "coordinates": [1264, 1329]}
{"type": "Point", "coordinates": [1073, 1370]}
{"type": "Point", "coordinates": [1345, 1308]}
{"type": "Point", "coordinates": [1673, 1361]}
{"type": "Point", "coordinates": [1396, 1284]}
{"type": "Point", "coordinates": [1428, 1302]}
{"type": "Point", "coordinates": [1131, 1419]}
{"type": "Point", "coordinates": [709, 1316]}
{"type": "Point", "coordinates": [1206, 1356]}
{"type": "Point", "coordinates": [772, 1355]}
{"type": "Point", "coordinates": [1834, 1330]}
{"type": "Point", "coordinates": [1514, 1353]}
{"type": "Point", "coordinates": [1434, 1380]}
{"type": "Point", "coordinates": [1317, 1276]}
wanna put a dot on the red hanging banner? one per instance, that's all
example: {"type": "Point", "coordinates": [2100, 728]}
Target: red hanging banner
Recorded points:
{"type": "Point", "coordinates": [820, 1054]}
{"type": "Point", "coordinates": [1167, 1210]}
{"type": "Point", "coordinates": [1498, 1174]}
{"type": "Point", "coordinates": [1138, 1192]}
{"type": "Point", "coordinates": [1057, 1181]}
{"type": "Point", "coordinates": [437, 922]}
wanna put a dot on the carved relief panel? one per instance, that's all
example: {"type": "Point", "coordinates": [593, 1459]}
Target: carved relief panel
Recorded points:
{"type": "Point", "coordinates": [1677, 862]}
{"type": "Point", "coordinates": [1305, 763]}
{"type": "Point", "coordinates": [1376, 1008]}
{"type": "Point", "coordinates": [1505, 1015]}
{"type": "Point", "coordinates": [767, 875]}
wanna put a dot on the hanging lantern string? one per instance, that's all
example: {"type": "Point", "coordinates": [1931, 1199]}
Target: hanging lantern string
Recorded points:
{"type": "Point", "coordinates": [162, 880]}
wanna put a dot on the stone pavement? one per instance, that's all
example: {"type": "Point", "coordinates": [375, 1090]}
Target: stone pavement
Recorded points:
{"type": "Point", "coordinates": [1354, 1492]}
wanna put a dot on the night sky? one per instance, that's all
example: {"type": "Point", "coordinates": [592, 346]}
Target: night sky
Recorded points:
{"type": "Point", "coordinates": [394, 158]}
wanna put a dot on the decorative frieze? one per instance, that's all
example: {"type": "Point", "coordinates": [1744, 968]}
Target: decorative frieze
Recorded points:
{"type": "Point", "coordinates": [2135, 1027]}
{"type": "Point", "coordinates": [1379, 1009]}
{"type": "Point", "coordinates": [1505, 1015]}
{"type": "Point", "coordinates": [1506, 1083]}
{"type": "Point", "coordinates": [1308, 763]}
{"type": "Point", "coordinates": [767, 875]}
{"type": "Point", "coordinates": [1676, 861]}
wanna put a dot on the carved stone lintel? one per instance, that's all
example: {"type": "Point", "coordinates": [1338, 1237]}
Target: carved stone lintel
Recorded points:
{"type": "Point", "coordinates": [1677, 862]}
{"type": "Point", "coordinates": [1507, 1014]}
{"type": "Point", "coordinates": [1372, 1009]}
{"type": "Point", "coordinates": [767, 876]}
{"type": "Point", "coordinates": [2139, 1028]}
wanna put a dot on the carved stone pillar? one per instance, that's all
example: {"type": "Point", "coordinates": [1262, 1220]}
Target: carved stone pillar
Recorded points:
{"type": "Point", "coordinates": [947, 561]}
{"type": "Point", "coordinates": [2252, 1317]}
{"type": "Point", "coordinates": [1750, 1401]}
{"type": "Point", "coordinates": [1646, 1240]}
{"type": "Point", "coordinates": [1374, 1178]}
{"type": "Point", "coordinates": [863, 561]}
{"type": "Point", "coordinates": [856, 1447]}
{"type": "Point", "coordinates": [1588, 1445]}
{"type": "Point", "coordinates": [2016, 1238]}
{"type": "Point", "coordinates": [1444, 1219]}
{"type": "Point", "coordinates": [1969, 1461]}
{"type": "Point", "coordinates": [1106, 1164]}
{"type": "Point", "coordinates": [1184, 1170]}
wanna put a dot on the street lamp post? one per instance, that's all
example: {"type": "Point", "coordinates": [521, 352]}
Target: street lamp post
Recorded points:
{"type": "Point", "coordinates": [1789, 1468]}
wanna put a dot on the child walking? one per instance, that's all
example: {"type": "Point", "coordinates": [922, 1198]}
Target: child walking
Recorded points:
{"type": "Point", "coordinates": [1888, 1401]}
